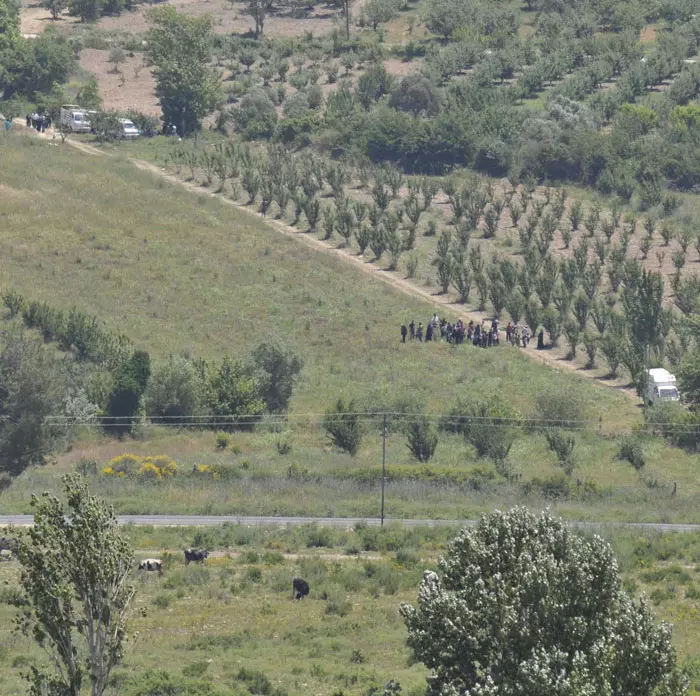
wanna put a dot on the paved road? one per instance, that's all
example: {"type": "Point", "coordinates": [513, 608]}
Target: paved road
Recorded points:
{"type": "Point", "coordinates": [344, 522]}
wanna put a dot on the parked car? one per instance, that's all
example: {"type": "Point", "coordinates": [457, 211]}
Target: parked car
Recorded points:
{"type": "Point", "coordinates": [129, 130]}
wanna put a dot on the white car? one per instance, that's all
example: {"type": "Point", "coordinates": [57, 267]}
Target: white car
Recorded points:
{"type": "Point", "coordinates": [129, 130]}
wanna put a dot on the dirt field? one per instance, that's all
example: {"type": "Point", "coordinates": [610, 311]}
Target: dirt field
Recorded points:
{"type": "Point", "coordinates": [132, 88]}
{"type": "Point", "coordinates": [228, 19]}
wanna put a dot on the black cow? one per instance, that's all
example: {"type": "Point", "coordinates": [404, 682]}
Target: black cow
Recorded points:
{"type": "Point", "coordinates": [300, 588]}
{"type": "Point", "coordinates": [197, 555]}
{"type": "Point", "coordinates": [151, 564]}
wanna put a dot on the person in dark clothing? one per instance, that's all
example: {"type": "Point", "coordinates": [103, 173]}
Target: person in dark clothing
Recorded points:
{"type": "Point", "coordinates": [540, 340]}
{"type": "Point", "coordinates": [412, 329]}
{"type": "Point", "coordinates": [404, 331]}
{"type": "Point", "coordinates": [29, 120]}
{"type": "Point", "coordinates": [429, 331]}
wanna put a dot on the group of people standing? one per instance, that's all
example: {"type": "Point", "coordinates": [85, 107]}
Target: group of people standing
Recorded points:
{"type": "Point", "coordinates": [484, 334]}
{"type": "Point", "coordinates": [39, 121]}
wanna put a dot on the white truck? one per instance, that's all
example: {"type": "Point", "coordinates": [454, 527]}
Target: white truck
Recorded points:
{"type": "Point", "coordinates": [74, 119]}
{"type": "Point", "coordinates": [661, 386]}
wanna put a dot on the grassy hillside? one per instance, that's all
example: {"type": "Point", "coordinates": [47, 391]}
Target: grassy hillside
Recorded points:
{"type": "Point", "coordinates": [179, 272]}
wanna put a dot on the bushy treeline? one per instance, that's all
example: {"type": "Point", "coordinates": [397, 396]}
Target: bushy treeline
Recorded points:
{"type": "Point", "coordinates": [44, 394]}
{"type": "Point", "coordinates": [30, 67]}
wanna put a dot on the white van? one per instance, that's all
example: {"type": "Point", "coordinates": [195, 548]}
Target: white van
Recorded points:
{"type": "Point", "coordinates": [129, 130]}
{"type": "Point", "coordinates": [74, 119]}
{"type": "Point", "coordinates": [661, 386]}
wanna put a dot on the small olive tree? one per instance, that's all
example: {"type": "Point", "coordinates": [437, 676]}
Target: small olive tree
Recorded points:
{"type": "Point", "coordinates": [76, 567]}
{"type": "Point", "coordinates": [523, 605]}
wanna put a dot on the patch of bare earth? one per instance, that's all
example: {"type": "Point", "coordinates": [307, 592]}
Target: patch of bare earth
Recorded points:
{"type": "Point", "coordinates": [230, 19]}
{"type": "Point", "coordinates": [400, 68]}
{"type": "Point", "coordinates": [33, 18]}
{"type": "Point", "coordinates": [648, 34]}
{"type": "Point", "coordinates": [132, 88]}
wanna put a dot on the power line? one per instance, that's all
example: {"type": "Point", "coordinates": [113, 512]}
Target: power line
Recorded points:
{"type": "Point", "coordinates": [447, 420]}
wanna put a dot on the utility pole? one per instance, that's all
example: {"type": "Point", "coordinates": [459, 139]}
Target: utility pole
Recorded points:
{"type": "Point", "coordinates": [383, 467]}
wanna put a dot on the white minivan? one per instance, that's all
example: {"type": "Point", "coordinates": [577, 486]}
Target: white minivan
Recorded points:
{"type": "Point", "coordinates": [129, 130]}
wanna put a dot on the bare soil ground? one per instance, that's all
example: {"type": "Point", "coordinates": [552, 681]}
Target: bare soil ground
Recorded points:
{"type": "Point", "coordinates": [34, 18]}
{"type": "Point", "coordinates": [131, 88]}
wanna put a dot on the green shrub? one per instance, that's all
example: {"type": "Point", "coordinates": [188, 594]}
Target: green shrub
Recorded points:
{"type": "Point", "coordinates": [490, 427]}
{"type": "Point", "coordinates": [343, 425]}
{"type": "Point", "coordinates": [87, 467]}
{"type": "Point", "coordinates": [422, 438]}
{"type": "Point", "coordinates": [258, 684]}
{"type": "Point", "coordinates": [338, 607]}
{"type": "Point", "coordinates": [557, 487]}
{"type": "Point", "coordinates": [319, 537]}
{"type": "Point", "coordinates": [557, 407]}
{"type": "Point", "coordinates": [161, 683]}
{"type": "Point", "coordinates": [630, 450]}
{"type": "Point", "coordinates": [163, 601]}
{"type": "Point", "coordinates": [195, 669]}
{"type": "Point", "coordinates": [14, 302]}
{"type": "Point", "coordinates": [222, 440]}
{"type": "Point", "coordinates": [254, 574]}
{"type": "Point", "coordinates": [562, 445]}
{"type": "Point", "coordinates": [284, 446]}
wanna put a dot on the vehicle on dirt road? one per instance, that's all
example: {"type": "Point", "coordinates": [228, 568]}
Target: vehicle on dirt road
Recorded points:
{"type": "Point", "coordinates": [74, 119]}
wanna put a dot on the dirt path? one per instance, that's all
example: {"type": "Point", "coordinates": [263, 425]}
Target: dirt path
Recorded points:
{"type": "Point", "coordinates": [360, 263]}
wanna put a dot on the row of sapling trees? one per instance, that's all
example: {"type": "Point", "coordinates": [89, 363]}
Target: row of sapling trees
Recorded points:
{"type": "Point", "coordinates": [46, 396]}
{"type": "Point", "coordinates": [576, 295]}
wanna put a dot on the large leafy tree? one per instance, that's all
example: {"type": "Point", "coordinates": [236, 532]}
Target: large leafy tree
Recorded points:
{"type": "Point", "coordinates": [180, 49]}
{"type": "Point", "coordinates": [278, 367]}
{"type": "Point", "coordinates": [9, 25]}
{"type": "Point", "coordinates": [33, 385]}
{"type": "Point", "coordinates": [523, 605]}
{"type": "Point", "coordinates": [76, 567]}
{"type": "Point", "coordinates": [233, 395]}
{"type": "Point", "coordinates": [36, 65]}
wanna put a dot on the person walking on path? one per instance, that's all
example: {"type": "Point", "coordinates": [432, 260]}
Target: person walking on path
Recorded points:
{"type": "Point", "coordinates": [403, 333]}
{"type": "Point", "coordinates": [412, 329]}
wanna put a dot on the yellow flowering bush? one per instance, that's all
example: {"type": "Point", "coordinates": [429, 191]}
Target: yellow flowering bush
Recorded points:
{"type": "Point", "coordinates": [206, 470]}
{"type": "Point", "coordinates": [151, 468]}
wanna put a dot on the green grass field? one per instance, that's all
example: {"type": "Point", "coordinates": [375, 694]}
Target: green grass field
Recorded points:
{"type": "Point", "coordinates": [206, 624]}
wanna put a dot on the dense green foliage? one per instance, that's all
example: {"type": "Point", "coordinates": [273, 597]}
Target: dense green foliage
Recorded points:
{"type": "Point", "coordinates": [76, 566]}
{"type": "Point", "coordinates": [522, 605]}
{"type": "Point", "coordinates": [180, 49]}
{"type": "Point", "coordinates": [34, 386]}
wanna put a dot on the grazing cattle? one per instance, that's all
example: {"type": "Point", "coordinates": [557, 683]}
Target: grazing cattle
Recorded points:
{"type": "Point", "coordinates": [300, 588]}
{"type": "Point", "coordinates": [151, 564]}
{"type": "Point", "coordinates": [5, 555]}
{"type": "Point", "coordinates": [196, 555]}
